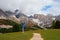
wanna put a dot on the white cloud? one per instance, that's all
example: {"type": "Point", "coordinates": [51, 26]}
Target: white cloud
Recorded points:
{"type": "Point", "coordinates": [35, 6]}
{"type": "Point", "coordinates": [10, 4]}
{"type": "Point", "coordinates": [30, 7]}
{"type": "Point", "coordinates": [55, 9]}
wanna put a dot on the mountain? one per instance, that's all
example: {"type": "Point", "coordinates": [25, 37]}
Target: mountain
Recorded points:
{"type": "Point", "coordinates": [44, 18]}
{"type": "Point", "coordinates": [2, 13]}
{"type": "Point", "coordinates": [9, 13]}
{"type": "Point", "coordinates": [19, 15]}
{"type": "Point", "coordinates": [5, 14]}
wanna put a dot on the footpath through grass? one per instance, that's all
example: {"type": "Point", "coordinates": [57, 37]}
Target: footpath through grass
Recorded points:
{"type": "Point", "coordinates": [50, 34]}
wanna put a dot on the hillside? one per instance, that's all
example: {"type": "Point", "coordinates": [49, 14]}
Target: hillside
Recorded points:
{"type": "Point", "coordinates": [7, 22]}
{"type": "Point", "coordinates": [15, 28]}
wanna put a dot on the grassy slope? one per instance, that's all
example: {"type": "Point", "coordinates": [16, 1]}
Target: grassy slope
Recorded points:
{"type": "Point", "coordinates": [46, 34]}
{"type": "Point", "coordinates": [7, 22]}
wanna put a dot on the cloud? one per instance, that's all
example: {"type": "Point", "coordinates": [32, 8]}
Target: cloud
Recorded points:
{"type": "Point", "coordinates": [56, 8]}
{"type": "Point", "coordinates": [30, 7]}
{"type": "Point", "coordinates": [35, 6]}
{"type": "Point", "coordinates": [9, 4]}
{"type": "Point", "coordinates": [52, 9]}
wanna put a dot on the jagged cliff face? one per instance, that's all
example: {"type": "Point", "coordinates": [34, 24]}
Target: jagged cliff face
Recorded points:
{"type": "Point", "coordinates": [44, 18]}
{"type": "Point", "coordinates": [2, 13]}
{"type": "Point", "coordinates": [11, 16]}
{"type": "Point", "coordinates": [5, 13]}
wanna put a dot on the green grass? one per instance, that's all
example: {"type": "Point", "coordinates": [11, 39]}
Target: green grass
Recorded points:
{"type": "Point", "coordinates": [51, 34]}
{"type": "Point", "coordinates": [16, 36]}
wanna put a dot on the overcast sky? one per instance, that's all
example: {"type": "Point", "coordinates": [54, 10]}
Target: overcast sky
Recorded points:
{"type": "Point", "coordinates": [30, 7]}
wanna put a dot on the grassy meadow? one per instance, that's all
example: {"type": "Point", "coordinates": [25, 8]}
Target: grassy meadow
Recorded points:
{"type": "Point", "coordinates": [50, 34]}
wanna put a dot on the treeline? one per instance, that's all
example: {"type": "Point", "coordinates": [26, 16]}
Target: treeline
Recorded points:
{"type": "Point", "coordinates": [55, 24]}
{"type": "Point", "coordinates": [15, 26]}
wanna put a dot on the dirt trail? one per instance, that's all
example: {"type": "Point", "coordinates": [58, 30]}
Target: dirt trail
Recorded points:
{"type": "Point", "coordinates": [36, 36]}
